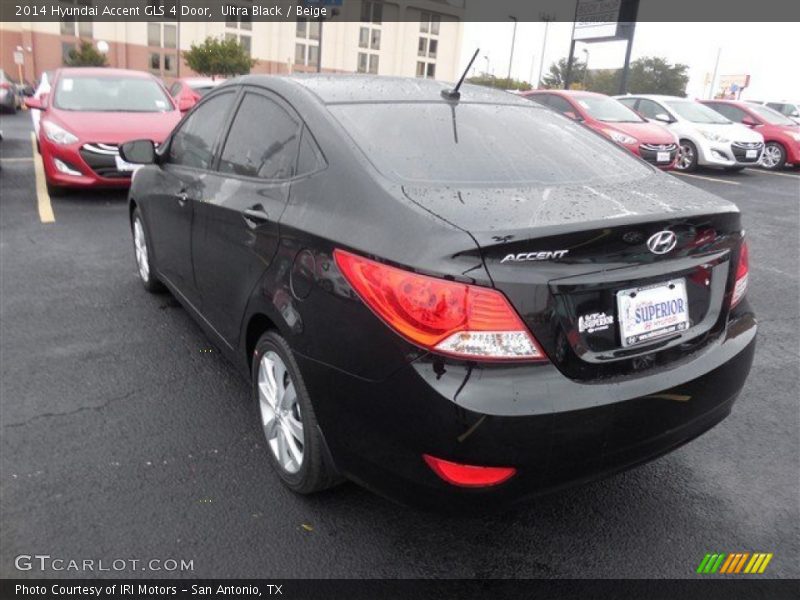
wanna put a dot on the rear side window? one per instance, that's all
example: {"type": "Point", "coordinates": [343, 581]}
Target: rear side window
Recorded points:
{"type": "Point", "coordinates": [193, 144]}
{"type": "Point", "coordinates": [310, 158]}
{"type": "Point", "coordinates": [558, 104]}
{"type": "Point", "coordinates": [475, 143]}
{"type": "Point", "coordinates": [263, 140]}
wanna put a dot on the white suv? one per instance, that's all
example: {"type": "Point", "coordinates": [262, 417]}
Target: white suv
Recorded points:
{"type": "Point", "coordinates": [706, 137]}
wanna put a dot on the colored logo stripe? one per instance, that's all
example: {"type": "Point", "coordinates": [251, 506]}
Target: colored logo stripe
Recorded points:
{"type": "Point", "coordinates": [734, 563]}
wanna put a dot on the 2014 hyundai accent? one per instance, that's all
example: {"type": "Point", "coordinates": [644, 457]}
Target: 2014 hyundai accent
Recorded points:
{"type": "Point", "coordinates": [452, 298]}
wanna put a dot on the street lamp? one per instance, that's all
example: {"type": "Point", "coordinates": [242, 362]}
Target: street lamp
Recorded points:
{"type": "Point", "coordinates": [486, 56]}
{"type": "Point", "coordinates": [513, 41]}
{"type": "Point", "coordinates": [585, 67]}
{"type": "Point", "coordinates": [546, 18]}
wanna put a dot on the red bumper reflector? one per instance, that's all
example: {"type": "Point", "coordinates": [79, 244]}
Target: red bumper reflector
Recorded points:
{"type": "Point", "coordinates": [468, 475]}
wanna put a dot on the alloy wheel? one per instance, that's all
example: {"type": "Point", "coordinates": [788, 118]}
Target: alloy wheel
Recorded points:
{"type": "Point", "coordinates": [771, 157]}
{"type": "Point", "coordinates": [685, 157]}
{"type": "Point", "coordinates": [140, 246]}
{"type": "Point", "coordinates": [279, 407]}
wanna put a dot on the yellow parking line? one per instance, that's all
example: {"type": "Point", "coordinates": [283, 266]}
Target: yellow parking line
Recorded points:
{"type": "Point", "coordinates": [765, 172]}
{"type": "Point", "coordinates": [42, 197]}
{"type": "Point", "coordinates": [706, 178]}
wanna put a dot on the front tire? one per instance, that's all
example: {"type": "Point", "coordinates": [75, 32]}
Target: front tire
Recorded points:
{"type": "Point", "coordinates": [773, 157]}
{"type": "Point", "coordinates": [294, 443]}
{"type": "Point", "coordinates": [144, 257]}
{"type": "Point", "coordinates": [687, 157]}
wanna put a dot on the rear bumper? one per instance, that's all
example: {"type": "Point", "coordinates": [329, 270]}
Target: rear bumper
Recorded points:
{"type": "Point", "coordinates": [517, 417]}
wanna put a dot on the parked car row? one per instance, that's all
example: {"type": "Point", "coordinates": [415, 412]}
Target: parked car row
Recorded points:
{"type": "Point", "coordinates": [679, 133]}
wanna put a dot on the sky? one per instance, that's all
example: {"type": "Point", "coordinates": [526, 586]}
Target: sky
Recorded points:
{"type": "Point", "coordinates": [768, 52]}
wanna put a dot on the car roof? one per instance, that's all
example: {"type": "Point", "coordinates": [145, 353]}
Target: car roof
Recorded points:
{"type": "Point", "coordinates": [336, 89]}
{"type": "Point", "coordinates": [104, 72]}
{"type": "Point", "coordinates": [569, 93]}
{"type": "Point", "coordinates": [659, 97]}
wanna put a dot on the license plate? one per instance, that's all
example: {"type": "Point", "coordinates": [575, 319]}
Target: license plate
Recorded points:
{"type": "Point", "coordinates": [662, 157]}
{"type": "Point", "coordinates": [751, 153]}
{"type": "Point", "coordinates": [648, 313]}
{"type": "Point", "coordinates": [123, 165]}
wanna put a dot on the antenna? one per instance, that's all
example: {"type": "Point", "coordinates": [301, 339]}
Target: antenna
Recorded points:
{"type": "Point", "coordinates": [454, 94]}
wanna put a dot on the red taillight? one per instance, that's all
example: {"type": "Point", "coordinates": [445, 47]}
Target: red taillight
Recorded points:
{"type": "Point", "coordinates": [742, 269]}
{"type": "Point", "coordinates": [444, 316]}
{"type": "Point", "coordinates": [468, 475]}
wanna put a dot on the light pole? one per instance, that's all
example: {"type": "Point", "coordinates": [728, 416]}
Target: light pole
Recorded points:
{"type": "Point", "coordinates": [513, 41]}
{"type": "Point", "coordinates": [546, 18]}
{"type": "Point", "coordinates": [487, 64]}
{"type": "Point", "coordinates": [585, 67]}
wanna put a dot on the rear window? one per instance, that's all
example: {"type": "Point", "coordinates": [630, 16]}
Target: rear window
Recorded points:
{"type": "Point", "coordinates": [482, 144]}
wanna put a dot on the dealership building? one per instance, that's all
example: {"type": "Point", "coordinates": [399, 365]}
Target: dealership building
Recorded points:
{"type": "Point", "coordinates": [419, 38]}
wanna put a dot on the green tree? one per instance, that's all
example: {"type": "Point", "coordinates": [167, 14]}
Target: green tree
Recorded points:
{"type": "Point", "coordinates": [556, 75]}
{"type": "Point", "coordinates": [603, 81]}
{"type": "Point", "coordinates": [219, 57]}
{"type": "Point", "coordinates": [85, 55]}
{"type": "Point", "coordinates": [654, 75]}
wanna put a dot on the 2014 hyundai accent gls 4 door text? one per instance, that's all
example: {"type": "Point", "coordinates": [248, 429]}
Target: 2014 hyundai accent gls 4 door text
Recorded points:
{"type": "Point", "coordinates": [452, 301]}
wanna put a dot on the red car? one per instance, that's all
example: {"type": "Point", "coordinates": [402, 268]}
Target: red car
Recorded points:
{"type": "Point", "coordinates": [615, 121]}
{"type": "Point", "coordinates": [781, 134]}
{"type": "Point", "coordinates": [88, 114]}
{"type": "Point", "coordinates": [188, 90]}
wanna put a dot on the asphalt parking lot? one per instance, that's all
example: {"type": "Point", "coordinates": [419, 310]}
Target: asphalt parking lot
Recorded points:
{"type": "Point", "coordinates": [126, 435]}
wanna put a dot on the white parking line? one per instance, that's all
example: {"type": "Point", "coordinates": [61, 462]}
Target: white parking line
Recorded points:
{"type": "Point", "coordinates": [42, 197]}
{"type": "Point", "coordinates": [706, 178]}
{"type": "Point", "coordinates": [764, 172]}
{"type": "Point", "coordinates": [16, 159]}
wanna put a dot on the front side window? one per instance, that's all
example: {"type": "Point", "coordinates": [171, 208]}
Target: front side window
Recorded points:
{"type": "Point", "coordinates": [263, 140]}
{"type": "Point", "coordinates": [193, 144]}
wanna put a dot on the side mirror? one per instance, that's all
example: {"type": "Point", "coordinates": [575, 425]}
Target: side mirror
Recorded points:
{"type": "Point", "coordinates": [749, 121]}
{"type": "Point", "coordinates": [35, 103]}
{"type": "Point", "coordinates": [138, 152]}
{"type": "Point", "coordinates": [663, 118]}
{"type": "Point", "coordinates": [186, 103]}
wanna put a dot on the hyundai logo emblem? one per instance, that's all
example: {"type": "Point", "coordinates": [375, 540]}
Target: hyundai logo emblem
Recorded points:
{"type": "Point", "coordinates": [662, 242]}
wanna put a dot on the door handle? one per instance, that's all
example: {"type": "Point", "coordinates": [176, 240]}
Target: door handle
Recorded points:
{"type": "Point", "coordinates": [182, 198]}
{"type": "Point", "coordinates": [255, 215]}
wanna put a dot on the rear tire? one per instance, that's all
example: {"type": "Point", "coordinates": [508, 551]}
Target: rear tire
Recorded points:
{"type": "Point", "coordinates": [144, 255]}
{"type": "Point", "coordinates": [773, 157]}
{"type": "Point", "coordinates": [294, 443]}
{"type": "Point", "coordinates": [687, 157]}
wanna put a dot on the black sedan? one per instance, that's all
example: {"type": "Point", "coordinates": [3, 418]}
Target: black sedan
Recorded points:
{"type": "Point", "coordinates": [450, 299]}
